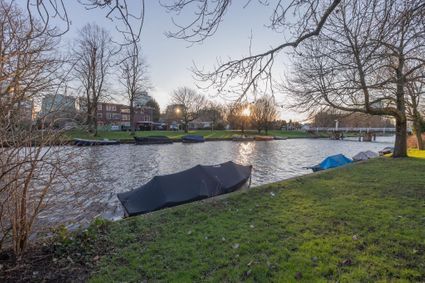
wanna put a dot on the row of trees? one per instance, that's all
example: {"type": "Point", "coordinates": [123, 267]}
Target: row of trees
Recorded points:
{"type": "Point", "coordinates": [369, 58]}
{"type": "Point", "coordinates": [360, 56]}
{"type": "Point", "coordinates": [188, 105]}
{"type": "Point", "coordinates": [350, 120]}
{"type": "Point", "coordinates": [94, 58]}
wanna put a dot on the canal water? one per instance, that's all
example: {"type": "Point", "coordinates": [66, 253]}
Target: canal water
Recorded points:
{"type": "Point", "coordinates": [109, 170]}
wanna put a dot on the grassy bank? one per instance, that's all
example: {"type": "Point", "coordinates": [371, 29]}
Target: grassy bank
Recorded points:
{"type": "Point", "coordinates": [119, 135]}
{"type": "Point", "coordinates": [363, 222]}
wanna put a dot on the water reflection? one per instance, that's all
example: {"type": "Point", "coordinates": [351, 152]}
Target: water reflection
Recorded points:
{"type": "Point", "coordinates": [246, 150]}
{"type": "Point", "coordinates": [113, 169]}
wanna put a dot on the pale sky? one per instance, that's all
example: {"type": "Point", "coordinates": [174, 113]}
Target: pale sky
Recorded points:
{"type": "Point", "coordinates": [170, 59]}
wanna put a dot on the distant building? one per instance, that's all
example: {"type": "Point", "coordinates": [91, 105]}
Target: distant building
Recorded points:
{"type": "Point", "coordinates": [54, 104]}
{"type": "Point", "coordinates": [58, 109]}
{"type": "Point", "coordinates": [112, 114]}
{"type": "Point", "coordinates": [26, 111]}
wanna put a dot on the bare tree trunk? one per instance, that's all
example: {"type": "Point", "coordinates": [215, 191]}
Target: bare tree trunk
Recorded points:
{"type": "Point", "coordinates": [95, 120]}
{"type": "Point", "coordinates": [400, 148]}
{"type": "Point", "coordinates": [90, 119]}
{"type": "Point", "coordinates": [186, 126]}
{"type": "Point", "coordinates": [133, 128]}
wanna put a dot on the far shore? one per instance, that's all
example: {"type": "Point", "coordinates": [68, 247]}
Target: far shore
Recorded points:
{"type": "Point", "coordinates": [215, 135]}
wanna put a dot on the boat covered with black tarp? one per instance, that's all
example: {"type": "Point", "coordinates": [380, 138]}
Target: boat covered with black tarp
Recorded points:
{"type": "Point", "coordinates": [196, 183]}
{"type": "Point", "coordinates": [192, 139]}
{"type": "Point", "coordinates": [153, 140]}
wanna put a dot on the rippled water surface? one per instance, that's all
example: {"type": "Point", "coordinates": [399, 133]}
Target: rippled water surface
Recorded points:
{"type": "Point", "coordinates": [113, 169]}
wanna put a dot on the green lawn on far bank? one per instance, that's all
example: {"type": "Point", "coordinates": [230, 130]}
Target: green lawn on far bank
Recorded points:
{"type": "Point", "coordinates": [219, 134]}
{"type": "Point", "coordinates": [361, 223]}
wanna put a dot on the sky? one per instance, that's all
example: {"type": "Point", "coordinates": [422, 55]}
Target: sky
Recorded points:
{"type": "Point", "coordinates": [170, 59]}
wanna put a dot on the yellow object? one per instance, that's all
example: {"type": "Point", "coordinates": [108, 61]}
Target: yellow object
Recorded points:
{"type": "Point", "coordinates": [416, 153]}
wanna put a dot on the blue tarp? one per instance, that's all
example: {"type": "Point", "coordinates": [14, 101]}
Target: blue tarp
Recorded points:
{"type": "Point", "coordinates": [332, 162]}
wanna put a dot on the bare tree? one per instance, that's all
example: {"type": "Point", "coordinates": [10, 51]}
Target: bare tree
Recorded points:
{"type": "Point", "coordinates": [93, 59]}
{"type": "Point", "coordinates": [133, 75]}
{"type": "Point", "coordinates": [300, 19]}
{"type": "Point", "coordinates": [264, 112]}
{"type": "Point", "coordinates": [127, 17]}
{"type": "Point", "coordinates": [29, 165]}
{"type": "Point", "coordinates": [215, 112]}
{"type": "Point", "coordinates": [239, 115]}
{"type": "Point", "coordinates": [362, 61]}
{"type": "Point", "coordinates": [190, 102]}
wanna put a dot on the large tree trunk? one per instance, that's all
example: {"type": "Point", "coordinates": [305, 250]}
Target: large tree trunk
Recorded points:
{"type": "Point", "coordinates": [132, 126]}
{"type": "Point", "coordinates": [90, 120]}
{"type": "Point", "coordinates": [400, 147]}
{"type": "Point", "coordinates": [95, 120]}
{"type": "Point", "coordinates": [186, 126]}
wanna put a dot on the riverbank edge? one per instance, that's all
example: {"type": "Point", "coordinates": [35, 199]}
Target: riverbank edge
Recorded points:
{"type": "Point", "coordinates": [131, 141]}
{"type": "Point", "coordinates": [73, 245]}
{"type": "Point", "coordinates": [175, 140]}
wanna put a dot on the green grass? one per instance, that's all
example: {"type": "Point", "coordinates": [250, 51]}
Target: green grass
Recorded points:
{"type": "Point", "coordinates": [360, 223]}
{"type": "Point", "coordinates": [119, 135]}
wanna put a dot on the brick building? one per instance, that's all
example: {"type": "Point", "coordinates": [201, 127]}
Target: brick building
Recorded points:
{"type": "Point", "coordinates": [112, 114]}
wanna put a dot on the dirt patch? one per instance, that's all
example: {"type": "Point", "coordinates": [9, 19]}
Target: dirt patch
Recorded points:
{"type": "Point", "coordinates": [66, 258]}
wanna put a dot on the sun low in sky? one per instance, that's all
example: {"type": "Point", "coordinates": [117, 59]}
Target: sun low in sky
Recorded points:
{"type": "Point", "coordinates": [170, 60]}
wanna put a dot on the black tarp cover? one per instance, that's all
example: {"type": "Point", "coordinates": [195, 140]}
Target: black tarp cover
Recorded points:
{"type": "Point", "coordinates": [193, 184]}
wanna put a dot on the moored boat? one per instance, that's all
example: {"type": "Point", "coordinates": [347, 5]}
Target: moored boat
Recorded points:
{"type": "Point", "coordinates": [364, 155]}
{"type": "Point", "coordinates": [264, 138]}
{"type": "Point", "coordinates": [280, 138]}
{"type": "Point", "coordinates": [152, 140]}
{"type": "Point", "coordinates": [196, 183]}
{"type": "Point", "coordinates": [85, 142]}
{"type": "Point", "coordinates": [386, 150]}
{"type": "Point", "coordinates": [242, 138]}
{"type": "Point", "coordinates": [331, 162]}
{"type": "Point", "coordinates": [192, 139]}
